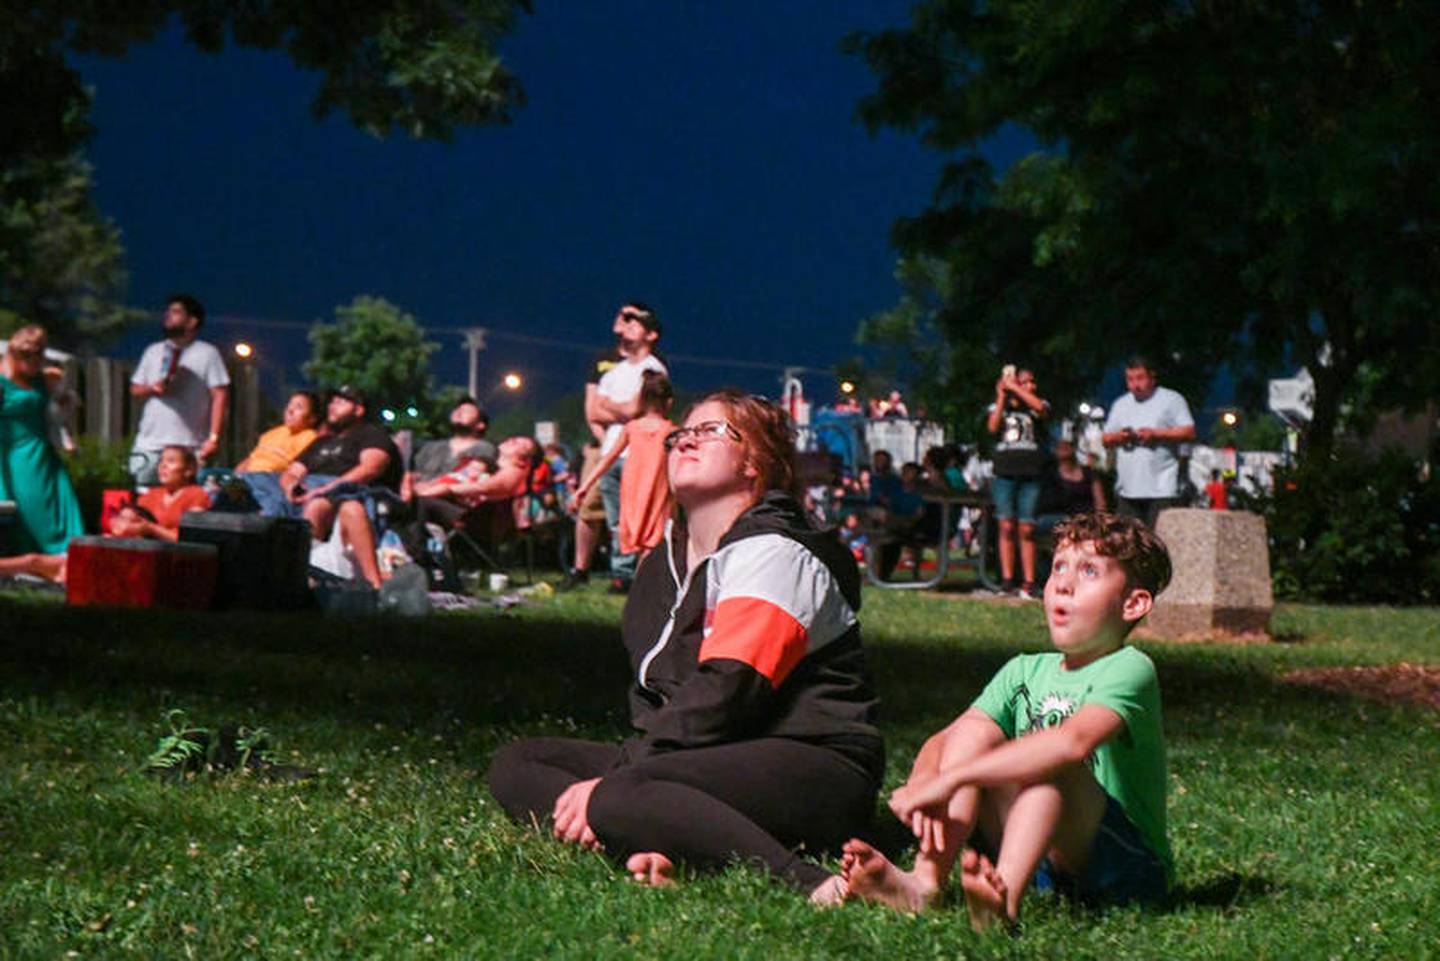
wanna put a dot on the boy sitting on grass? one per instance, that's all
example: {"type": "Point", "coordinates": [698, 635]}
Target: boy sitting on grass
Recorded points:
{"type": "Point", "coordinates": [1057, 771]}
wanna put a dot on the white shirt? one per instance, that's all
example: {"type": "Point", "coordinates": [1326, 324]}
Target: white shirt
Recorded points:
{"type": "Point", "coordinates": [182, 414]}
{"type": "Point", "coordinates": [1146, 472]}
{"type": "Point", "coordinates": [621, 384]}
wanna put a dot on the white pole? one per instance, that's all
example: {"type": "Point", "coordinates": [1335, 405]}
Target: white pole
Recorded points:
{"type": "Point", "coordinates": [475, 342]}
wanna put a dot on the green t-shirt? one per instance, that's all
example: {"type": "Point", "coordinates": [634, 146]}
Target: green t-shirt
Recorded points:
{"type": "Point", "coordinates": [1034, 691]}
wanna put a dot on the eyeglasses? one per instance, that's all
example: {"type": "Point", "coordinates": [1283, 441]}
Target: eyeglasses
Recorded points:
{"type": "Point", "coordinates": [702, 432]}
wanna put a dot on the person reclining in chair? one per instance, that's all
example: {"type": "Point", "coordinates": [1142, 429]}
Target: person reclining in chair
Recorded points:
{"type": "Point", "coordinates": [338, 478]}
{"type": "Point", "coordinates": [447, 498]}
{"type": "Point", "coordinates": [466, 443]}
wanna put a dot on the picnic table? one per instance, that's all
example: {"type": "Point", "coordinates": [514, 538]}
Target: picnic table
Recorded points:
{"type": "Point", "coordinates": [949, 503]}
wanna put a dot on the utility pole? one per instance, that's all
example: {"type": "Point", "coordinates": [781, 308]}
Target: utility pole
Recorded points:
{"type": "Point", "coordinates": [475, 342]}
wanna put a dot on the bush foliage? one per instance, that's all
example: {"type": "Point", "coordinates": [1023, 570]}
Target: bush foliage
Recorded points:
{"type": "Point", "coordinates": [95, 465]}
{"type": "Point", "coordinates": [1355, 527]}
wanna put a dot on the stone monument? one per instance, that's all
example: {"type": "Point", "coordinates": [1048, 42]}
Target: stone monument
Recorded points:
{"type": "Point", "coordinates": [1221, 584]}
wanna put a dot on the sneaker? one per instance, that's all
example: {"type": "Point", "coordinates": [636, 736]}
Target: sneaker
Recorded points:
{"type": "Point", "coordinates": [1028, 592]}
{"type": "Point", "coordinates": [618, 585]}
{"type": "Point", "coordinates": [573, 578]}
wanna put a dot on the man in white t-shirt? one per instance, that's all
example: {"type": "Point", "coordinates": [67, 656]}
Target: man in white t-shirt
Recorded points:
{"type": "Point", "coordinates": [184, 385]}
{"type": "Point", "coordinates": [1146, 427]}
{"type": "Point", "coordinates": [610, 401]}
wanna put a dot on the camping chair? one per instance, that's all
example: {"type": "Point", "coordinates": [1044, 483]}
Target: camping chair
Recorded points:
{"type": "Point", "coordinates": [523, 522]}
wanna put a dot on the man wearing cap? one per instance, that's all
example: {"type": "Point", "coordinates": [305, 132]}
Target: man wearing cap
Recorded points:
{"type": "Point", "coordinates": [610, 401]}
{"type": "Point", "coordinates": [183, 384]}
{"type": "Point", "coordinates": [337, 477]}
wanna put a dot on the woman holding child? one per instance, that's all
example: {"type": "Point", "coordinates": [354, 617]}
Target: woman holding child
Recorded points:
{"type": "Point", "coordinates": [752, 700]}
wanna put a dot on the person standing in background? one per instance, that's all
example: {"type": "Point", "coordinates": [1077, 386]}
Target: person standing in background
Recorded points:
{"type": "Point", "coordinates": [1015, 420]}
{"type": "Point", "coordinates": [1146, 427]}
{"type": "Point", "coordinates": [184, 385]}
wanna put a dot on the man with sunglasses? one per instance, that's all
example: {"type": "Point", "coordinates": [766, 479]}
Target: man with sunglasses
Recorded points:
{"type": "Point", "coordinates": [612, 397]}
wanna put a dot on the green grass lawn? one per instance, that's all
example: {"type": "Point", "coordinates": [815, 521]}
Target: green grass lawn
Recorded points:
{"type": "Point", "coordinates": [1305, 824]}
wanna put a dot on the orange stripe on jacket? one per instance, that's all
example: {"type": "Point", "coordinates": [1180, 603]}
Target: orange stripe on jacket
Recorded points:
{"type": "Point", "coordinates": [756, 633]}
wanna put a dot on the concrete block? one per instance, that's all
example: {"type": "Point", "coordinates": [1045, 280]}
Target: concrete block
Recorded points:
{"type": "Point", "coordinates": [1221, 584]}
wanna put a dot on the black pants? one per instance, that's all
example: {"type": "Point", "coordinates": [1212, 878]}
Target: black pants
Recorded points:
{"type": "Point", "coordinates": [761, 800]}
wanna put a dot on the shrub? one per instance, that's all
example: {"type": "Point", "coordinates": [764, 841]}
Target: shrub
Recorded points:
{"type": "Point", "coordinates": [94, 466]}
{"type": "Point", "coordinates": [1354, 528]}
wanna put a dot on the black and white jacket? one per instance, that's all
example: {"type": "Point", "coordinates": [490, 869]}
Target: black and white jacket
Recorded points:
{"type": "Point", "coordinates": [761, 639]}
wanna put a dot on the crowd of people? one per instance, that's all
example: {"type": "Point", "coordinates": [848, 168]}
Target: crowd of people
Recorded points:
{"type": "Point", "coordinates": [754, 710]}
{"type": "Point", "coordinates": [326, 463]}
{"type": "Point", "coordinates": [329, 464]}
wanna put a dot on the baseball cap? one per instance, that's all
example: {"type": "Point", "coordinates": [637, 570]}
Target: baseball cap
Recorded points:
{"type": "Point", "coordinates": [353, 394]}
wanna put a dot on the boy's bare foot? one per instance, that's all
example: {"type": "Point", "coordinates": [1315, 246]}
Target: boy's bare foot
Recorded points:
{"type": "Point", "coordinates": [829, 893]}
{"type": "Point", "coordinates": [652, 869]}
{"type": "Point", "coordinates": [984, 890]}
{"type": "Point", "coordinates": [870, 876]}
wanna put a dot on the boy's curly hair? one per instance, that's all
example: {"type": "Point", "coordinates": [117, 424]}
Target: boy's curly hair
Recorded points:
{"type": "Point", "coordinates": [1141, 554]}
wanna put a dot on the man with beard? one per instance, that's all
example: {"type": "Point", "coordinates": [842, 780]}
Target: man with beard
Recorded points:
{"type": "Point", "coordinates": [611, 399]}
{"type": "Point", "coordinates": [338, 477]}
{"type": "Point", "coordinates": [466, 442]}
{"type": "Point", "coordinates": [183, 384]}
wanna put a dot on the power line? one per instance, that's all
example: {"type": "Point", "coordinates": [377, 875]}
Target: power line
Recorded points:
{"type": "Point", "coordinates": [532, 340]}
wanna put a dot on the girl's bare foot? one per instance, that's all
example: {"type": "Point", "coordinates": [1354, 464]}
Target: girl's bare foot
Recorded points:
{"type": "Point", "coordinates": [984, 890]}
{"type": "Point", "coordinates": [652, 869]}
{"type": "Point", "coordinates": [870, 876]}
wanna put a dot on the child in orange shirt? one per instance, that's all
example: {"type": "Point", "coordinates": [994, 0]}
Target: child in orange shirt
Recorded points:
{"type": "Point", "coordinates": [158, 512]}
{"type": "Point", "coordinates": [644, 485]}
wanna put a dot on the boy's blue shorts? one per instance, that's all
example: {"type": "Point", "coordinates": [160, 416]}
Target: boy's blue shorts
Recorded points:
{"type": "Point", "coordinates": [1122, 867]}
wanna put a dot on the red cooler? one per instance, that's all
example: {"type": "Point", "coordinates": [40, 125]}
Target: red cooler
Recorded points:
{"type": "Point", "coordinates": [133, 572]}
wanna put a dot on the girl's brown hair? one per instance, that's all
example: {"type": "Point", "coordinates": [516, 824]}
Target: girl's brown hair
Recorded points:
{"type": "Point", "coordinates": [766, 435]}
{"type": "Point", "coordinates": [656, 394]}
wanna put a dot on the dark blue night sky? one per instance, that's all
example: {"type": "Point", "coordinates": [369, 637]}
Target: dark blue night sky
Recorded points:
{"type": "Point", "coordinates": [700, 156]}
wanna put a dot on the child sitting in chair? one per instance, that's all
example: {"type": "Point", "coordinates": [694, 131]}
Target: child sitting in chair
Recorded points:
{"type": "Point", "coordinates": [158, 511]}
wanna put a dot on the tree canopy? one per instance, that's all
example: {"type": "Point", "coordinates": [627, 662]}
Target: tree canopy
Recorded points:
{"type": "Point", "coordinates": [420, 67]}
{"type": "Point", "coordinates": [377, 347]}
{"type": "Point", "coordinates": [61, 263]}
{"type": "Point", "coordinates": [1243, 183]}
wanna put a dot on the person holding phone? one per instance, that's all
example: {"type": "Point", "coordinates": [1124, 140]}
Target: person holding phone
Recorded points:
{"type": "Point", "coordinates": [1015, 421]}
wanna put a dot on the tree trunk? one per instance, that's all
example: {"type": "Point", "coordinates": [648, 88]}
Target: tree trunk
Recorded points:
{"type": "Point", "coordinates": [1319, 436]}
{"type": "Point", "coordinates": [1333, 378]}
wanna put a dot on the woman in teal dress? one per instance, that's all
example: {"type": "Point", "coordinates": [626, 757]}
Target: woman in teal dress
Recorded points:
{"type": "Point", "coordinates": [31, 472]}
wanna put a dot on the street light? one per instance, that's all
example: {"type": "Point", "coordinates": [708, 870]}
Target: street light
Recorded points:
{"type": "Point", "coordinates": [1230, 418]}
{"type": "Point", "coordinates": [513, 381]}
{"type": "Point", "coordinates": [847, 387]}
{"type": "Point", "coordinates": [244, 351]}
